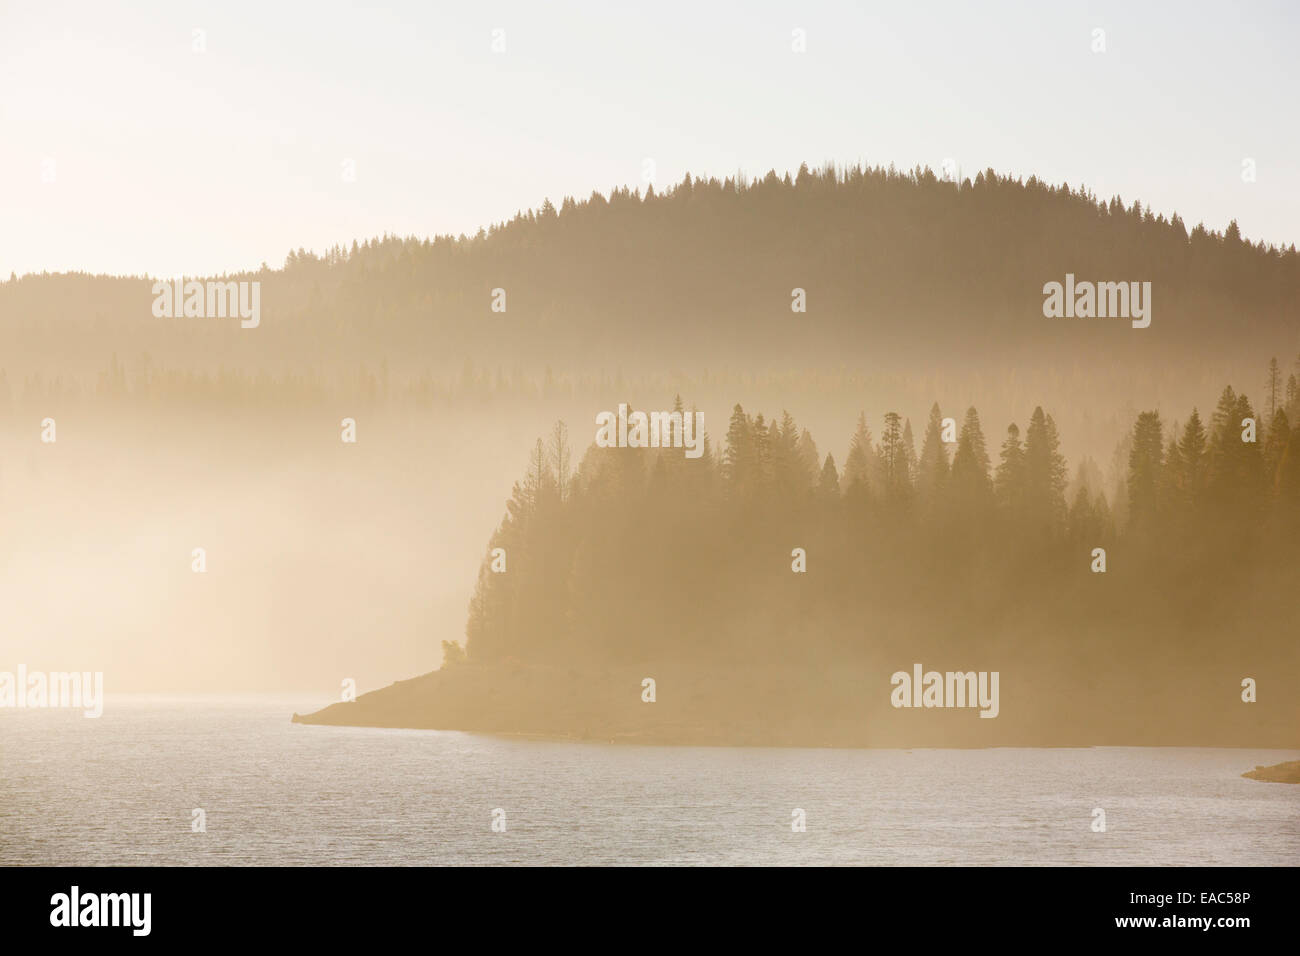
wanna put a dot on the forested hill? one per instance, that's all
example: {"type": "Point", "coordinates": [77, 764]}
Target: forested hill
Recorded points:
{"type": "Point", "coordinates": [701, 274]}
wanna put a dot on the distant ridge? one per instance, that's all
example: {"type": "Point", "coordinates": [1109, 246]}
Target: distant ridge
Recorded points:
{"type": "Point", "coordinates": [703, 271]}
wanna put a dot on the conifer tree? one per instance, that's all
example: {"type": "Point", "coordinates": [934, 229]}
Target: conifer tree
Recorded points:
{"type": "Point", "coordinates": [1272, 390]}
{"type": "Point", "coordinates": [1191, 453]}
{"type": "Point", "coordinates": [1044, 474]}
{"type": "Point", "coordinates": [808, 457]}
{"type": "Point", "coordinates": [856, 479]}
{"type": "Point", "coordinates": [760, 435]}
{"type": "Point", "coordinates": [932, 467]}
{"type": "Point", "coordinates": [1009, 481]}
{"type": "Point", "coordinates": [561, 459]}
{"type": "Point", "coordinates": [1249, 478]}
{"type": "Point", "coordinates": [909, 449]}
{"type": "Point", "coordinates": [972, 486]}
{"type": "Point", "coordinates": [1082, 525]}
{"type": "Point", "coordinates": [1222, 451]}
{"type": "Point", "coordinates": [788, 470]}
{"type": "Point", "coordinates": [893, 457]}
{"type": "Point", "coordinates": [829, 483]}
{"type": "Point", "coordinates": [1145, 462]}
{"type": "Point", "coordinates": [739, 461]}
{"type": "Point", "coordinates": [1172, 492]}
{"type": "Point", "coordinates": [1279, 437]}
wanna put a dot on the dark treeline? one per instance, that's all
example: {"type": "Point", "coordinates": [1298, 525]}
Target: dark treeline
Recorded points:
{"type": "Point", "coordinates": [973, 556]}
{"type": "Point", "coordinates": [888, 259]}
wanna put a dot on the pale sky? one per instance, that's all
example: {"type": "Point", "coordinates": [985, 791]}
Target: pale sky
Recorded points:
{"type": "Point", "coordinates": [168, 161]}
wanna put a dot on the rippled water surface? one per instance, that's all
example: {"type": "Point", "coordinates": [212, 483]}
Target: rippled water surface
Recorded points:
{"type": "Point", "coordinates": [121, 790]}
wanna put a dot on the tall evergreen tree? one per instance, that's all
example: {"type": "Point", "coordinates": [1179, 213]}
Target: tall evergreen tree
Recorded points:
{"type": "Point", "coordinates": [1191, 453]}
{"type": "Point", "coordinates": [909, 449]}
{"type": "Point", "coordinates": [1272, 390]}
{"type": "Point", "coordinates": [1224, 446]}
{"type": "Point", "coordinates": [1172, 492]}
{"type": "Point", "coordinates": [739, 461]}
{"type": "Point", "coordinates": [932, 467]}
{"type": "Point", "coordinates": [856, 479]}
{"type": "Point", "coordinates": [1083, 525]}
{"type": "Point", "coordinates": [893, 457]}
{"type": "Point", "coordinates": [1279, 437]}
{"type": "Point", "coordinates": [972, 487]}
{"type": "Point", "coordinates": [1044, 474]}
{"type": "Point", "coordinates": [806, 451]}
{"type": "Point", "coordinates": [1009, 481]}
{"type": "Point", "coordinates": [561, 459]}
{"type": "Point", "coordinates": [1145, 463]}
{"type": "Point", "coordinates": [1250, 478]}
{"type": "Point", "coordinates": [761, 437]}
{"type": "Point", "coordinates": [829, 483]}
{"type": "Point", "coordinates": [788, 471]}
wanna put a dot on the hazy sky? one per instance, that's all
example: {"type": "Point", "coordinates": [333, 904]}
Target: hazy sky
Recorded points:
{"type": "Point", "coordinates": [166, 160]}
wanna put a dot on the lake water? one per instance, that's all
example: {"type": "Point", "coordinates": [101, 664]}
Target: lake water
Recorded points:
{"type": "Point", "coordinates": [120, 790]}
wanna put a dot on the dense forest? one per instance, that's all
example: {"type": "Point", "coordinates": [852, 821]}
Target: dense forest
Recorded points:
{"type": "Point", "coordinates": [701, 273]}
{"type": "Point", "coordinates": [916, 288]}
{"type": "Point", "coordinates": [968, 554]}
{"type": "Point", "coordinates": [698, 535]}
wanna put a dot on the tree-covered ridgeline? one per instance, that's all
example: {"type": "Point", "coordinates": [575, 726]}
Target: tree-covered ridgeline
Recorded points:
{"type": "Point", "coordinates": [888, 258]}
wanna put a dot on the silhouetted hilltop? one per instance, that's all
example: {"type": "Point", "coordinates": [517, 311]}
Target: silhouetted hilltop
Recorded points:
{"type": "Point", "coordinates": [700, 275]}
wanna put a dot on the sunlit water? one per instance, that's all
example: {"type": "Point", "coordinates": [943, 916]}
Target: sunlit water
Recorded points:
{"type": "Point", "coordinates": [121, 790]}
